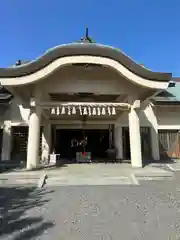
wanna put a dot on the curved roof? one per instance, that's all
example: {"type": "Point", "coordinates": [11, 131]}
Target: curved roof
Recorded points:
{"type": "Point", "coordinates": [88, 49]}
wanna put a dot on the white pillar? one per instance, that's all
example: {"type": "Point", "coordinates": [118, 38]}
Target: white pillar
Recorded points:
{"type": "Point", "coordinates": [135, 138]}
{"type": "Point", "coordinates": [6, 141]}
{"type": "Point", "coordinates": [155, 143]}
{"type": "Point", "coordinates": [151, 116]}
{"type": "Point", "coordinates": [33, 138]}
{"type": "Point", "coordinates": [118, 142]}
{"type": "Point", "coordinates": [46, 142]}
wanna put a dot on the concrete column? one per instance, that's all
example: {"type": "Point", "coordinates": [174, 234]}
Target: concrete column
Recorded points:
{"type": "Point", "coordinates": [135, 138]}
{"type": "Point", "coordinates": [151, 116]}
{"type": "Point", "coordinates": [33, 138]}
{"type": "Point", "coordinates": [6, 141]}
{"type": "Point", "coordinates": [118, 141]}
{"type": "Point", "coordinates": [155, 143]}
{"type": "Point", "coordinates": [46, 142]}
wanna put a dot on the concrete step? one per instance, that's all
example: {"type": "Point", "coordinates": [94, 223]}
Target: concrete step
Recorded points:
{"type": "Point", "coordinates": [157, 178]}
{"type": "Point", "coordinates": [52, 181]}
{"type": "Point", "coordinates": [154, 174]}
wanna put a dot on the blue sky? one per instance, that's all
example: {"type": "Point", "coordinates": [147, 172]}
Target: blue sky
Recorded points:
{"type": "Point", "coordinates": [146, 30]}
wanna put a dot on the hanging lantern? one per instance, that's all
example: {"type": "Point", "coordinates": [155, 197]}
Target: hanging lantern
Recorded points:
{"type": "Point", "coordinates": [89, 111]}
{"type": "Point", "coordinates": [69, 111]}
{"type": "Point", "coordinates": [63, 111]}
{"type": "Point", "coordinates": [113, 111]}
{"type": "Point", "coordinates": [103, 111]}
{"type": "Point", "coordinates": [85, 111]}
{"type": "Point", "coordinates": [80, 110]}
{"type": "Point", "coordinates": [109, 111]}
{"type": "Point", "coordinates": [57, 111]}
{"type": "Point", "coordinates": [73, 110]}
{"type": "Point", "coordinates": [94, 111]}
{"type": "Point", "coordinates": [53, 111]}
{"type": "Point", "coordinates": [98, 111]}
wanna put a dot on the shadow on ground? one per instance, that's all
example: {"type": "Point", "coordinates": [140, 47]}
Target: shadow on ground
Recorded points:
{"type": "Point", "coordinates": [14, 206]}
{"type": "Point", "coordinates": [11, 166]}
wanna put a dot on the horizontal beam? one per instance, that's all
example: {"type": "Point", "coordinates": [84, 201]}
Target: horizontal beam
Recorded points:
{"type": "Point", "coordinates": [79, 122]}
{"type": "Point", "coordinates": [83, 104]}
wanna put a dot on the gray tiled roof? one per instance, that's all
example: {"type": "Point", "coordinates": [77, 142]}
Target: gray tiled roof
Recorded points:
{"type": "Point", "coordinates": [171, 95]}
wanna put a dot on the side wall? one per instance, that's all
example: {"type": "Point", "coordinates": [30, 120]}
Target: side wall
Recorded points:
{"type": "Point", "coordinates": [168, 117]}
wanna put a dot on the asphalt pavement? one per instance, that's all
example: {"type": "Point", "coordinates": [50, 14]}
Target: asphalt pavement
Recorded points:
{"type": "Point", "coordinates": [150, 210]}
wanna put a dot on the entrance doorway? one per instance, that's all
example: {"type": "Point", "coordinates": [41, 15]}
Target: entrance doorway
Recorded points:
{"type": "Point", "coordinates": [145, 144]}
{"type": "Point", "coordinates": [19, 143]}
{"type": "Point", "coordinates": [67, 143]}
{"type": "Point", "coordinates": [126, 144]}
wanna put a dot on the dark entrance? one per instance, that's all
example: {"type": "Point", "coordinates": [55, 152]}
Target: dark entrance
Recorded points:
{"type": "Point", "coordinates": [1, 138]}
{"type": "Point", "coordinates": [97, 143]}
{"type": "Point", "coordinates": [126, 144]}
{"type": "Point", "coordinates": [19, 143]}
{"type": "Point", "coordinates": [145, 143]}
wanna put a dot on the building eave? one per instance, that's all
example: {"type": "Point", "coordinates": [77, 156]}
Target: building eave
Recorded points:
{"type": "Point", "coordinates": [85, 49]}
{"type": "Point", "coordinates": [164, 103]}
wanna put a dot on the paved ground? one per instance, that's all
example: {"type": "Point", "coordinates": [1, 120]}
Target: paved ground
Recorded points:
{"type": "Point", "coordinates": [86, 174]}
{"type": "Point", "coordinates": [150, 210]}
{"type": "Point", "coordinates": [174, 166]}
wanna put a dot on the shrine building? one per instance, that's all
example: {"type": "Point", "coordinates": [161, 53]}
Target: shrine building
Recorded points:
{"type": "Point", "coordinates": [86, 90]}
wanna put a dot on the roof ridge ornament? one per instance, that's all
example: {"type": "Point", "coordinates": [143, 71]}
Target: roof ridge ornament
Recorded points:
{"type": "Point", "coordinates": [18, 62]}
{"type": "Point", "coordinates": [86, 38]}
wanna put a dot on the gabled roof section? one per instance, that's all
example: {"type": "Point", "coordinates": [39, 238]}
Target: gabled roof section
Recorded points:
{"type": "Point", "coordinates": [83, 49]}
{"type": "Point", "coordinates": [169, 96]}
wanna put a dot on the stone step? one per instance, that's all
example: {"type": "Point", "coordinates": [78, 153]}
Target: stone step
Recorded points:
{"type": "Point", "coordinates": [154, 174]}
{"type": "Point", "coordinates": [158, 174]}
{"type": "Point", "coordinates": [157, 178]}
{"type": "Point", "coordinates": [79, 178]}
{"type": "Point", "coordinates": [89, 181]}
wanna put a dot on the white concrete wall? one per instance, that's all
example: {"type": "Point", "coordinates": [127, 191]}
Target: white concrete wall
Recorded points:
{"type": "Point", "coordinates": [160, 117]}
{"type": "Point", "coordinates": [168, 117]}
{"type": "Point", "coordinates": [146, 116]}
{"type": "Point", "coordinates": [19, 114]}
{"type": "Point", "coordinates": [14, 115]}
{"type": "Point", "coordinates": [73, 80]}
